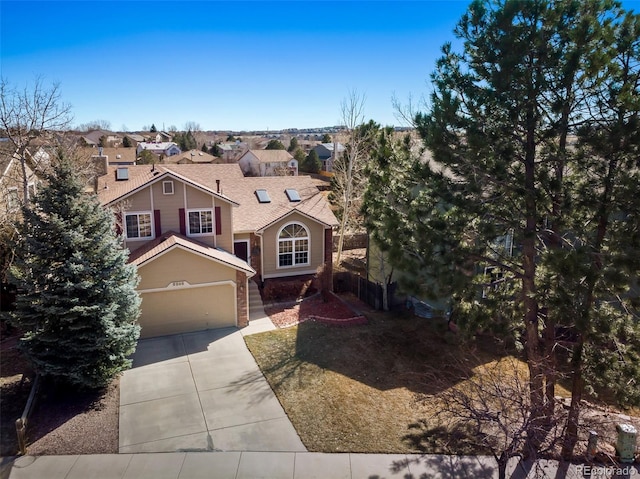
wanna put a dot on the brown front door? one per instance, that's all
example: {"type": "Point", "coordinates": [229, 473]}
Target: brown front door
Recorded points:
{"type": "Point", "coordinates": [241, 250]}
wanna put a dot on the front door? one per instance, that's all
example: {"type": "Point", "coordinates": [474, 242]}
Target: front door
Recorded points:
{"type": "Point", "coordinates": [241, 250]}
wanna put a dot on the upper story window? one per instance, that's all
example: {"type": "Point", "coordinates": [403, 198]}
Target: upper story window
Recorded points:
{"type": "Point", "coordinates": [12, 199]}
{"type": "Point", "coordinates": [293, 246]}
{"type": "Point", "coordinates": [167, 187]}
{"type": "Point", "coordinates": [200, 222]}
{"type": "Point", "coordinates": [138, 226]}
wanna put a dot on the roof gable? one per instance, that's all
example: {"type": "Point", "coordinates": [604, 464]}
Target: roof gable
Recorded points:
{"type": "Point", "coordinates": [110, 190]}
{"type": "Point", "coordinates": [172, 240]}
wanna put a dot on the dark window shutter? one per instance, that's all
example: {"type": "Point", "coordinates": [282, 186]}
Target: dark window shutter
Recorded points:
{"type": "Point", "coordinates": [218, 221]}
{"type": "Point", "coordinates": [183, 224]}
{"type": "Point", "coordinates": [118, 223]}
{"type": "Point", "coordinates": [156, 221]}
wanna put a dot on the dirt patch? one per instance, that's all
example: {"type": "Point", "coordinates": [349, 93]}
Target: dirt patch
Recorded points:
{"type": "Point", "coordinates": [61, 422]}
{"type": "Point", "coordinates": [70, 422]}
{"type": "Point", "coordinates": [15, 385]}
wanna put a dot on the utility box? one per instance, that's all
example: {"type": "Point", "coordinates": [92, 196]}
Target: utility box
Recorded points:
{"type": "Point", "coordinates": [626, 443]}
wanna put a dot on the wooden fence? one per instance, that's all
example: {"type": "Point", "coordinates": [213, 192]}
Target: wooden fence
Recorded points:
{"type": "Point", "coordinates": [367, 291]}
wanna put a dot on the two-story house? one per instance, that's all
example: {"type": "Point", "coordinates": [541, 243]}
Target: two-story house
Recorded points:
{"type": "Point", "coordinates": [161, 149]}
{"type": "Point", "coordinates": [268, 163]}
{"type": "Point", "coordinates": [199, 233]}
{"type": "Point", "coordinates": [327, 153]}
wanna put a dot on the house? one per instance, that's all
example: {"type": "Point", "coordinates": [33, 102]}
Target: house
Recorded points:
{"type": "Point", "coordinates": [190, 157]}
{"type": "Point", "coordinates": [268, 163]}
{"type": "Point", "coordinates": [198, 233]}
{"type": "Point", "coordinates": [134, 138]}
{"type": "Point", "coordinates": [161, 149]}
{"type": "Point", "coordinates": [231, 152]}
{"type": "Point", "coordinates": [327, 155]}
{"type": "Point", "coordinates": [94, 137]}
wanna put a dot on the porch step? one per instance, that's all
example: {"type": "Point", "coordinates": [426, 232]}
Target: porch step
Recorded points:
{"type": "Point", "coordinates": [256, 307]}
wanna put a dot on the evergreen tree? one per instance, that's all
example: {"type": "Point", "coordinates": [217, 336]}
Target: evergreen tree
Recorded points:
{"type": "Point", "coordinates": [79, 306]}
{"type": "Point", "coordinates": [275, 145]}
{"type": "Point", "coordinates": [299, 156]}
{"type": "Point", "coordinates": [126, 142]}
{"type": "Point", "coordinates": [526, 230]}
{"type": "Point", "coordinates": [312, 163]}
{"type": "Point", "coordinates": [326, 138]}
{"type": "Point", "coordinates": [204, 148]}
{"type": "Point", "coordinates": [293, 145]}
{"type": "Point", "coordinates": [153, 128]}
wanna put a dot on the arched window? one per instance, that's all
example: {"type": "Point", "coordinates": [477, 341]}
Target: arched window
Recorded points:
{"type": "Point", "coordinates": [293, 246]}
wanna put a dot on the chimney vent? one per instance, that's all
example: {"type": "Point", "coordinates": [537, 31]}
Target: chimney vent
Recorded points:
{"type": "Point", "coordinates": [218, 185]}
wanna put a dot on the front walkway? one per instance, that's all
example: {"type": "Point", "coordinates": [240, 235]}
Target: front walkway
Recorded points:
{"type": "Point", "coordinates": [200, 392]}
{"type": "Point", "coordinates": [289, 465]}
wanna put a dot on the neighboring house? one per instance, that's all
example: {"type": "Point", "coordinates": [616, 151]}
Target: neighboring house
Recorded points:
{"type": "Point", "coordinates": [161, 149]}
{"type": "Point", "coordinates": [191, 157]}
{"type": "Point", "coordinates": [93, 138]}
{"type": "Point", "coordinates": [109, 156]}
{"type": "Point", "coordinates": [12, 186]}
{"type": "Point", "coordinates": [307, 145]}
{"type": "Point", "coordinates": [134, 138]}
{"type": "Point", "coordinates": [231, 152]}
{"type": "Point", "coordinates": [327, 155]}
{"type": "Point", "coordinates": [268, 163]}
{"type": "Point", "coordinates": [198, 233]}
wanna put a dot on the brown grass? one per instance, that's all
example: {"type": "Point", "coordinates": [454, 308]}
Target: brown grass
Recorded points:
{"type": "Point", "coordinates": [375, 387]}
{"type": "Point", "coordinates": [357, 389]}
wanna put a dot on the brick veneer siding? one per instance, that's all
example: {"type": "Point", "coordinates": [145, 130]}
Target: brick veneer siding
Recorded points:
{"type": "Point", "coordinates": [328, 255]}
{"type": "Point", "coordinates": [241, 298]}
{"type": "Point", "coordinates": [256, 254]}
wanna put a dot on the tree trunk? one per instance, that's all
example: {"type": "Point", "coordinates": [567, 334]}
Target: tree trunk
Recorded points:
{"type": "Point", "coordinates": [577, 387]}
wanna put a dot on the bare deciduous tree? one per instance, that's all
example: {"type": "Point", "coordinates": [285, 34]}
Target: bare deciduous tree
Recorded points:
{"type": "Point", "coordinates": [349, 183]}
{"type": "Point", "coordinates": [36, 111]}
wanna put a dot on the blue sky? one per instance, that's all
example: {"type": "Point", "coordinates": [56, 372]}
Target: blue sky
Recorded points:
{"type": "Point", "coordinates": [230, 65]}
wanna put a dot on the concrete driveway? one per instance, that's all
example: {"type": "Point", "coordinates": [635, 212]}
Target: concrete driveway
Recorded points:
{"type": "Point", "coordinates": [200, 392]}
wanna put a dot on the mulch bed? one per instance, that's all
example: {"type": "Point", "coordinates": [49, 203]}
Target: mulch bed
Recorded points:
{"type": "Point", "coordinates": [314, 308]}
{"type": "Point", "coordinates": [72, 422]}
{"type": "Point", "coordinates": [61, 422]}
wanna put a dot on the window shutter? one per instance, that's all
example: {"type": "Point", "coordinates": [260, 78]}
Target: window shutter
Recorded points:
{"type": "Point", "coordinates": [156, 222]}
{"type": "Point", "coordinates": [118, 216]}
{"type": "Point", "coordinates": [218, 220]}
{"type": "Point", "coordinates": [183, 224]}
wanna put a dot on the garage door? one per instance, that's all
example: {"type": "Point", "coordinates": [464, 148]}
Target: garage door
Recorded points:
{"type": "Point", "coordinates": [188, 309]}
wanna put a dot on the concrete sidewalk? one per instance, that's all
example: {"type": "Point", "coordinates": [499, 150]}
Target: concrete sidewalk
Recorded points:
{"type": "Point", "coordinates": [290, 465]}
{"type": "Point", "coordinates": [253, 465]}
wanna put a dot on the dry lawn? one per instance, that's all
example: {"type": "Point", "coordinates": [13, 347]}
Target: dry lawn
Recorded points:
{"type": "Point", "coordinates": [375, 387]}
{"type": "Point", "coordinates": [359, 389]}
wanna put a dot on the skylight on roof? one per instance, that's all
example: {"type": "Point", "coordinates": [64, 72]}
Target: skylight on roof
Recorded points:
{"type": "Point", "coordinates": [122, 174]}
{"type": "Point", "coordinates": [263, 196]}
{"type": "Point", "coordinates": [292, 194]}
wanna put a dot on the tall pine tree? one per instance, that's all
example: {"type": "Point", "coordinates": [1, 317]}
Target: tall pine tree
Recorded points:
{"type": "Point", "coordinates": [527, 214]}
{"type": "Point", "coordinates": [78, 307]}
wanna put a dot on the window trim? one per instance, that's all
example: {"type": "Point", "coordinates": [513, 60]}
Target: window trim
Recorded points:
{"type": "Point", "coordinates": [164, 189]}
{"type": "Point", "coordinates": [12, 199]}
{"type": "Point", "coordinates": [293, 248]}
{"type": "Point", "coordinates": [151, 226]}
{"type": "Point", "coordinates": [200, 210]}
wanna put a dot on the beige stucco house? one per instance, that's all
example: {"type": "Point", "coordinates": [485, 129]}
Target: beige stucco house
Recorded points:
{"type": "Point", "coordinates": [268, 163]}
{"type": "Point", "coordinates": [199, 233]}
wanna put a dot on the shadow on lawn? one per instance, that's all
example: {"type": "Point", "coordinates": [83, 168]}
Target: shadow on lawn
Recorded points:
{"type": "Point", "coordinates": [395, 350]}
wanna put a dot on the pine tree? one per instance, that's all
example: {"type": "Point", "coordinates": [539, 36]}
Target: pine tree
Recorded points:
{"type": "Point", "coordinates": [525, 228]}
{"type": "Point", "coordinates": [79, 306]}
{"type": "Point", "coordinates": [274, 145]}
{"type": "Point", "coordinates": [312, 163]}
